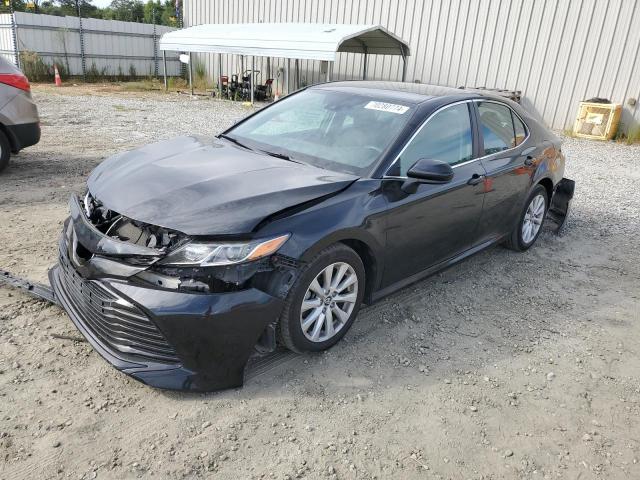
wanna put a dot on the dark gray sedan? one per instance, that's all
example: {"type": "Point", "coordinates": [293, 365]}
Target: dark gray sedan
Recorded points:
{"type": "Point", "coordinates": [186, 256]}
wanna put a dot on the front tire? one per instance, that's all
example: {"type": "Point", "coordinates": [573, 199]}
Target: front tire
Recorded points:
{"type": "Point", "coordinates": [324, 301]}
{"type": "Point", "coordinates": [530, 222]}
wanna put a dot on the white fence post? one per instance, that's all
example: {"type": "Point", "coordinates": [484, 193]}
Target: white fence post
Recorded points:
{"type": "Point", "coordinates": [82, 56]}
{"type": "Point", "coordinates": [14, 37]}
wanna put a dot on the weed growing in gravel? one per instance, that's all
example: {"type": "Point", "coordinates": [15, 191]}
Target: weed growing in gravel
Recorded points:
{"type": "Point", "coordinates": [630, 137]}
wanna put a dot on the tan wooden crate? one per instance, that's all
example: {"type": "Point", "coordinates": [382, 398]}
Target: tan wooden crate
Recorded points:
{"type": "Point", "coordinates": [597, 121]}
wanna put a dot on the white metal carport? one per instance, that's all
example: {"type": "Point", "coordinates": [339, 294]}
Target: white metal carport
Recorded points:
{"type": "Point", "coordinates": [308, 41]}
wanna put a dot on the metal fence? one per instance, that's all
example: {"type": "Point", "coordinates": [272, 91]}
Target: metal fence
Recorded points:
{"type": "Point", "coordinates": [557, 52]}
{"type": "Point", "coordinates": [87, 45]}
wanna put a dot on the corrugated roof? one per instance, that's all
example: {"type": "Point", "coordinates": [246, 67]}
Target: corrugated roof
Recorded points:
{"type": "Point", "coordinates": [313, 41]}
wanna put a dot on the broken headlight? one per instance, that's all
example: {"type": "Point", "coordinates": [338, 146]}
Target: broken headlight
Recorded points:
{"type": "Point", "coordinates": [205, 254]}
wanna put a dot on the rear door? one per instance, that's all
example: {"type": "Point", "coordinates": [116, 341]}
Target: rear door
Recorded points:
{"type": "Point", "coordinates": [436, 222]}
{"type": "Point", "coordinates": [509, 164]}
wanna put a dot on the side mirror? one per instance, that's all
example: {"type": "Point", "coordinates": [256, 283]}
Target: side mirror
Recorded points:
{"type": "Point", "coordinates": [431, 171]}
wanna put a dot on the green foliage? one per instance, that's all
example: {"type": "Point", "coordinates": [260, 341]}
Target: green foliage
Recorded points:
{"type": "Point", "coordinates": [94, 75]}
{"type": "Point", "coordinates": [153, 11]}
{"type": "Point", "coordinates": [132, 71]}
{"type": "Point", "coordinates": [200, 74]}
{"type": "Point", "coordinates": [631, 136]}
{"type": "Point", "coordinates": [34, 68]}
{"type": "Point", "coordinates": [163, 11]}
{"type": "Point", "coordinates": [37, 70]}
{"type": "Point", "coordinates": [127, 10]}
{"type": "Point", "coordinates": [177, 83]}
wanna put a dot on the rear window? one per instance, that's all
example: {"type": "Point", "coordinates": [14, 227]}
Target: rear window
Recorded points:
{"type": "Point", "coordinates": [496, 123]}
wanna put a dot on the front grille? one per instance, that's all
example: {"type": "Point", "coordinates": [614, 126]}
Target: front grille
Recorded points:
{"type": "Point", "coordinates": [119, 324]}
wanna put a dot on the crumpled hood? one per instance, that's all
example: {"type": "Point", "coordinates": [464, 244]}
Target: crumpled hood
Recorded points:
{"type": "Point", "coordinates": [205, 186]}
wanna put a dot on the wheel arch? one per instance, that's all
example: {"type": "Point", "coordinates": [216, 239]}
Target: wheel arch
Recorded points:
{"type": "Point", "coordinates": [367, 249]}
{"type": "Point", "coordinates": [370, 265]}
{"type": "Point", "coordinates": [547, 183]}
{"type": "Point", "coordinates": [13, 143]}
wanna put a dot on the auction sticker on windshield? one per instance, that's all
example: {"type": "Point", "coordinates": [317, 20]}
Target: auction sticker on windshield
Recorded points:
{"type": "Point", "coordinates": [387, 107]}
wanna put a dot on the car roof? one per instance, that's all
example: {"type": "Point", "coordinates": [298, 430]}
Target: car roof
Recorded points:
{"type": "Point", "coordinates": [416, 93]}
{"type": "Point", "coordinates": [408, 92]}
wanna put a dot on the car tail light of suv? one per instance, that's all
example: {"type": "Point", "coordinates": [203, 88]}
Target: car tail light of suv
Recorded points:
{"type": "Point", "coordinates": [16, 80]}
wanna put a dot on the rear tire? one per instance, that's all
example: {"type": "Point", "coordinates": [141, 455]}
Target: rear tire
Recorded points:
{"type": "Point", "coordinates": [331, 286]}
{"type": "Point", "coordinates": [529, 225]}
{"type": "Point", "coordinates": [5, 151]}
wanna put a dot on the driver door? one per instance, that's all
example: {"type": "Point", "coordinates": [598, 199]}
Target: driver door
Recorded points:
{"type": "Point", "coordinates": [438, 221]}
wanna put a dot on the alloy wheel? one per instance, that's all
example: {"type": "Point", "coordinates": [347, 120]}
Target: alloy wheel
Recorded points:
{"type": "Point", "coordinates": [329, 302]}
{"type": "Point", "coordinates": [533, 218]}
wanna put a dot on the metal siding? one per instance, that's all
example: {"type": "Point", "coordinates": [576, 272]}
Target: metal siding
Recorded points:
{"type": "Point", "coordinates": [557, 52]}
{"type": "Point", "coordinates": [109, 44]}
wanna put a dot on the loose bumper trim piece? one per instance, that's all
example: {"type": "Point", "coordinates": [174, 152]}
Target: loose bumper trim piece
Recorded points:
{"type": "Point", "coordinates": [561, 202]}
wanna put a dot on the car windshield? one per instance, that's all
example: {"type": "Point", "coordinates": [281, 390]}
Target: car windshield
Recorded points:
{"type": "Point", "coordinates": [333, 130]}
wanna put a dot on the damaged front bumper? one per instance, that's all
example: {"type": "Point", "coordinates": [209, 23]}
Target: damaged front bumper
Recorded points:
{"type": "Point", "coordinates": [164, 338]}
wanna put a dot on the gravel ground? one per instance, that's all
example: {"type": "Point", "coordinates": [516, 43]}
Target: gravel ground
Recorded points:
{"type": "Point", "coordinates": [506, 366]}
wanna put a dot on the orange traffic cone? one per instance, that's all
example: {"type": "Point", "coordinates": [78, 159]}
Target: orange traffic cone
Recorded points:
{"type": "Point", "coordinates": [276, 96]}
{"type": "Point", "coordinates": [57, 76]}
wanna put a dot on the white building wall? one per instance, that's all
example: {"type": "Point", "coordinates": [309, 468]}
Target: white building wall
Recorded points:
{"type": "Point", "coordinates": [557, 52]}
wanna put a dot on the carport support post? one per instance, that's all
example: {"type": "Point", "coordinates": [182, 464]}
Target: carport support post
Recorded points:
{"type": "Point", "coordinates": [190, 74]}
{"type": "Point", "coordinates": [286, 74]}
{"type": "Point", "coordinates": [404, 64]}
{"type": "Point", "coordinates": [220, 76]}
{"type": "Point", "coordinates": [364, 66]}
{"type": "Point", "coordinates": [251, 79]}
{"type": "Point", "coordinates": [164, 69]}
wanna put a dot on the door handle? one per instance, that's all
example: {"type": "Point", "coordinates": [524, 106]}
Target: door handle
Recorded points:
{"type": "Point", "coordinates": [475, 179]}
{"type": "Point", "coordinates": [528, 161]}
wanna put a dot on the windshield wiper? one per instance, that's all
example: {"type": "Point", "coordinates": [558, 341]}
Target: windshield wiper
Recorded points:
{"type": "Point", "coordinates": [233, 140]}
{"type": "Point", "coordinates": [283, 156]}
{"type": "Point", "coordinates": [277, 155]}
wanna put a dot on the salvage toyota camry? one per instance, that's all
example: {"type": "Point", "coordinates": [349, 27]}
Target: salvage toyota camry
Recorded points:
{"type": "Point", "coordinates": [186, 257]}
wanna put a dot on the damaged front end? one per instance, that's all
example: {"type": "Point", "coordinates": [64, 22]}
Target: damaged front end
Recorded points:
{"type": "Point", "coordinates": [171, 310]}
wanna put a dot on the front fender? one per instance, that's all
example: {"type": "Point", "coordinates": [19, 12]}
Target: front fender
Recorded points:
{"type": "Point", "coordinates": [355, 215]}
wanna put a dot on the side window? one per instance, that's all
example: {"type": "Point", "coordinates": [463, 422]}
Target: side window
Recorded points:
{"type": "Point", "coordinates": [521, 130]}
{"type": "Point", "coordinates": [497, 127]}
{"type": "Point", "coordinates": [446, 136]}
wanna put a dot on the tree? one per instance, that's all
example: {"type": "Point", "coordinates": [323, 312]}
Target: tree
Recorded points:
{"type": "Point", "coordinates": [153, 11]}
{"type": "Point", "coordinates": [33, 5]}
{"type": "Point", "coordinates": [127, 10]}
{"type": "Point", "coordinates": [18, 6]}
{"type": "Point", "coordinates": [169, 14]}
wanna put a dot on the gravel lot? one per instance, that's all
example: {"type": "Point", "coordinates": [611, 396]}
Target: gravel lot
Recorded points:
{"type": "Point", "coordinates": [506, 366]}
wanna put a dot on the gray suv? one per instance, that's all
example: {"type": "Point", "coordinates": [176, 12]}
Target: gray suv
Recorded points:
{"type": "Point", "coordinates": [19, 122]}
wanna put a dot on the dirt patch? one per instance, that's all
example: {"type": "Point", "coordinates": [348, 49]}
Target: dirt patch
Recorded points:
{"type": "Point", "coordinates": [505, 366]}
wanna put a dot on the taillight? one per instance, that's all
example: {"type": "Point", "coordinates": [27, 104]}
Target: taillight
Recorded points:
{"type": "Point", "coordinates": [16, 80]}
